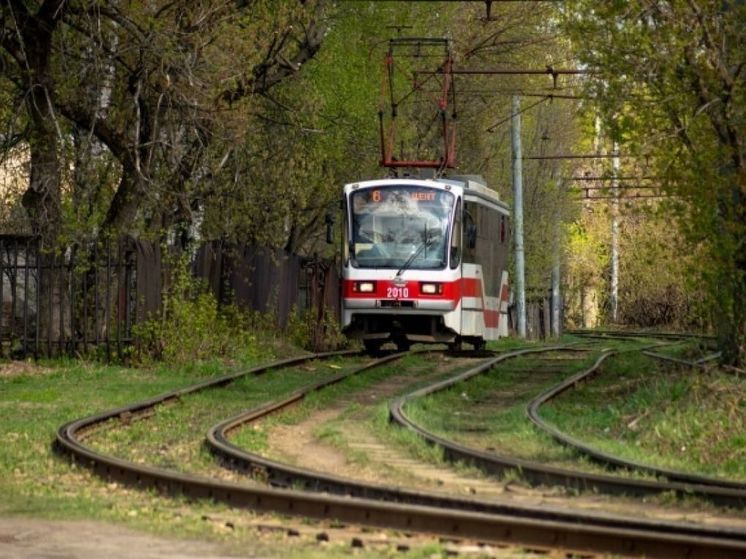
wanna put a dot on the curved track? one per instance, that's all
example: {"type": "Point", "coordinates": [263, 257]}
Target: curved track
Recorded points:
{"type": "Point", "coordinates": [682, 482]}
{"type": "Point", "coordinates": [622, 334]}
{"type": "Point", "coordinates": [732, 495]}
{"type": "Point", "coordinates": [517, 525]}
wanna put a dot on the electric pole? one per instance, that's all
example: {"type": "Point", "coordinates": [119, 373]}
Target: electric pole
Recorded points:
{"type": "Point", "coordinates": [614, 297]}
{"type": "Point", "coordinates": [520, 282]}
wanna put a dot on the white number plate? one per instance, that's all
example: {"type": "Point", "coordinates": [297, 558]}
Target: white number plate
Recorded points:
{"type": "Point", "coordinates": [397, 292]}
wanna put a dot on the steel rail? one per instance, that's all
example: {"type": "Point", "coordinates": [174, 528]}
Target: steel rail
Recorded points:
{"type": "Point", "coordinates": [697, 364]}
{"type": "Point", "coordinates": [407, 517]}
{"type": "Point", "coordinates": [538, 474]}
{"type": "Point", "coordinates": [622, 334]}
{"type": "Point", "coordinates": [285, 475]}
{"type": "Point", "coordinates": [693, 483]}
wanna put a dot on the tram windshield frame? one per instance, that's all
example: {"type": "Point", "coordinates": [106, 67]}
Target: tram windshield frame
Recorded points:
{"type": "Point", "coordinates": [400, 226]}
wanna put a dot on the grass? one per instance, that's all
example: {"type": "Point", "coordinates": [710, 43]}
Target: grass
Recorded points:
{"type": "Point", "coordinates": [413, 444]}
{"type": "Point", "coordinates": [488, 411]}
{"type": "Point", "coordinates": [642, 409]}
{"type": "Point", "coordinates": [343, 395]}
{"type": "Point", "coordinates": [34, 482]}
{"type": "Point", "coordinates": [705, 413]}
{"type": "Point", "coordinates": [660, 414]}
{"type": "Point", "coordinates": [336, 432]}
{"type": "Point", "coordinates": [331, 434]}
{"type": "Point", "coordinates": [172, 437]}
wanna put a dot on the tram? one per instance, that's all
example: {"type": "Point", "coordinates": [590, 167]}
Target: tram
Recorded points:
{"type": "Point", "coordinates": [424, 261]}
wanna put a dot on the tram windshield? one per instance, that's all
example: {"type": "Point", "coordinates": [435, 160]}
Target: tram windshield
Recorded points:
{"type": "Point", "coordinates": [400, 227]}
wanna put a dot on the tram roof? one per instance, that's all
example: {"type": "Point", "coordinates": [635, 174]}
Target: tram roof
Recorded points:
{"type": "Point", "coordinates": [471, 184]}
{"type": "Point", "coordinates": [475, 183]}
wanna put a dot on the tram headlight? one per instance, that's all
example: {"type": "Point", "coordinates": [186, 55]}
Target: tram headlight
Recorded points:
{"type": "Point", "coordinates": [364, 286]}
{"type": "Point", "coordinates": [431, 288]}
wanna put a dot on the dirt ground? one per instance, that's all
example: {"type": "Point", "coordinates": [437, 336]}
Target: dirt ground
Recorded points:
{"type": "Point", "coordinates": [23, 538]}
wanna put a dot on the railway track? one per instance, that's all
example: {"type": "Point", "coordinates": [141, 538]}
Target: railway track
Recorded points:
{"type": "Point", "coordinates": [720, 491]}
{"type": "Point", "coordinates": [387, 506]}
{"type": "Point", "coordinates": [622, 334]}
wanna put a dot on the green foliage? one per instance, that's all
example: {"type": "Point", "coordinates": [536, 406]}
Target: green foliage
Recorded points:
{"type": "Point", "coordinates": [660, 280]}
{"type": "Point", "coordinates": [192, 327]}
{"type": "Point", "coordinates": [668, 85]}
{"type": "Point", "coordinates": [305, 330]}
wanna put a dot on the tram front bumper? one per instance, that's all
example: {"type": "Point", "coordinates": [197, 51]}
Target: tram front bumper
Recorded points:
{"type": "Point", "coordinates": [400, 305]}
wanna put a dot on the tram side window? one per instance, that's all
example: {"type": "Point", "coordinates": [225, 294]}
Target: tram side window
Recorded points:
{"type": "Point", "coordinates": [471, 217]}
{"type": "Point", "coordinates": [488, 232]}
{"type": "Point", "coordinates": [492, 263]}
{"type": "Point", "coordinates": [456, 238]}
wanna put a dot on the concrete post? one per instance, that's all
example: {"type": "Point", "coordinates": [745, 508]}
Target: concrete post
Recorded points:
{"type": "Point", "coordinates": [520, 282]}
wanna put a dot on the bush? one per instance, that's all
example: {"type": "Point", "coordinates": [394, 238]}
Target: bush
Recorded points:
{"type": "Point", "coordinates": [192, 327]}
{"type": "Point", "coordinates": [304, 330]}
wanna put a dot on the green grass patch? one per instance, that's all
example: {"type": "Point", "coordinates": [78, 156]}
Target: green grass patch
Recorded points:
{"type": "Point", "coordinates": [35, 482]}
{"type": "Point", "coordinates": [36, 399]}
{"type": "Point", "coordinates": [342, 392]}
{"type": "Point", "coordinates": [370, 417]}
{"type": "Point", "coordinates": [405, 439]}
{"type": "Point", "coordinates": [660, 414]}
{"type": "Point", "coordinates": [172, 438]}
{"type": "Point", "coordinates": [487, 412]}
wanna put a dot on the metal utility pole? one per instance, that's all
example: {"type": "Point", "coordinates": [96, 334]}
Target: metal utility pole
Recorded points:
{"type": "Point", "coordinates": [614, 297]}
{"type": "Point", "coordinates": [556, 305]}
{"type": "Point", "coordinates": [520, 282]}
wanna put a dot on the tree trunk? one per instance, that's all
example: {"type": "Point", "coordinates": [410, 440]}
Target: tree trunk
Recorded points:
{"type": "Point", "coordinates": [731, 287]}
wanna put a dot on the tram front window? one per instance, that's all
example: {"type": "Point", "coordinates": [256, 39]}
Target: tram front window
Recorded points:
{"type": "Point", "coordinates": [397, 225]}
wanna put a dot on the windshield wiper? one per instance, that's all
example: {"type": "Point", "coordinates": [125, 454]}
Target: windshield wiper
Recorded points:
{"type": "Point", "coordinates": [425, 244]}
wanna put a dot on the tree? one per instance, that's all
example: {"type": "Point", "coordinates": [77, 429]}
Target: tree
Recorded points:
{"type": "Point", "coordinates": [154, 86]}
{"type": "Point", "coordinates": [27, 40]}
{"type": "Point", "coordinates": [670, 84]}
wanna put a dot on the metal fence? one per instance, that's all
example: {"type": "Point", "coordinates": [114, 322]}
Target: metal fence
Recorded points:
{"type": "Point", "coordinates": [62, 304]}
{"type": "Point", "coordinates": [257, 279]}
{"type": "Point", "coordinates": [538, 318]}
{"type": "Point", "coordinates": [89, 298]}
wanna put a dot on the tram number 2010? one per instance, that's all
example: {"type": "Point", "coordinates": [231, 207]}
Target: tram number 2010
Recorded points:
{"type": "Point", "coordinates": [397, 292]}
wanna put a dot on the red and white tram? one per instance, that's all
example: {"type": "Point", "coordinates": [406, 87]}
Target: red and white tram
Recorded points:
{"type": "Point", "coordinates": [425, 260]}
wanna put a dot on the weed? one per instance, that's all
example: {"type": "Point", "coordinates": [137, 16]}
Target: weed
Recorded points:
{"type": "Point", "coordinates": [666, 416]}
{"type": "Point", "coordinates": [314, 333]}
{"type": "Point", "coordinates": [192, 327]}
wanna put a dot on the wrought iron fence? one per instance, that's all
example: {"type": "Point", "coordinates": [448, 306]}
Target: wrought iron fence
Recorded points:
{"type": "Point", "coordinates": [67, 303]}
{"type": "Point", "coordinates": [89, 298]}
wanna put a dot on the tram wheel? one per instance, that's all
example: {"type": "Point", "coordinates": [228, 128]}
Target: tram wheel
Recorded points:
{"type": "Point", "coordinates": [480, 344]}
{"type": "Point", "coordinates": [403, 345]}
{"type": "Point", "coordinates": [372, 346]}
